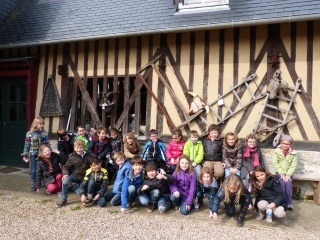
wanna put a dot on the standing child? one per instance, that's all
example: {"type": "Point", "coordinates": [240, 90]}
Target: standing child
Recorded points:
{"type": "Point", "coordinates": [73, 171]}
{"type": "Point", "coordinates": [183, 189]}
{"type": "Point", "coordinates": [231, 154]}
{"type": "Point", "coordinates": [269, 194]}
{"type": "Point", "coordinates": [285, 163]}
{"type": "Point", "coordinates": [132, 147]}
{"type": "Point", "coordinates": [252, 157]}
{"type": "Point", "coordinates": [34, 139]}
{"type": "Point", "coordinates": [95, 184]}
{"type": "Point", "coordinates": [83, 136]}
{"type": "Point", "coordinates": [175, 149]}
{"type": "Point", "coordinates": [131, 183]}
{"type": "Point", "coordinates": [155, 189]}
{"type": "Point", "coordinates": [124, 167]}
{"type": "Point", "coordinates": [194, 150]}
{"type": "Point", "coordinates": [48, 169]}
{"type": "Point", "coordinates": [208, 186]}
{"type": "Point", "coordinates": [233, 192]}
{"type": "Point", "coordinates": [212, 144]}
{"type": "Point", "coordinates": [100, 146]}
{"type": "Point", "coordinates": [65, 141]}
{"type": "Point", "coordinates": [154, 152]}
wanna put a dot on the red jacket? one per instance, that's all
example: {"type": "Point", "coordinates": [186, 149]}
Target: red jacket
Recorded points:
{"type": "Point", "coordinates": [175, 150]}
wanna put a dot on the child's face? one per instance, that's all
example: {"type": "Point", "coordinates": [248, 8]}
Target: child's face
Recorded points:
{"type": "Point", "coordinates": [232, 189]}
{"type": "Point", "coordinates": [176, 138]}
{"type": "Point", "coordinates": [81, 131]}
{"type": "Point", "coordinates": [102, 135]}
{"type": "Point", "coordinates": [79, 149]}
{"type": "Point", "coordinates": [231, 140]}
{"type": "Point", "coordinates": [137, 168]}
{"type": "Point", "coordinates": [194, 138]}
{"type": "Point", "coordinates": [184, 164]}
{"type": "Point", "coordinates": [214, 134]}
{"type": "Point", "coordinates": [285, 145]}
{"type": "Point", "coordinates": [46, 152]}
{"type": "Point", "coordinates": [152, 174]}
{"type": "Point", "coordinates": [261, 176]}
{"type": "Point", "coordinates": [251, 143]}
{"type": "Point", "coordinates": [206, 178]}
{"type": "Point", "coordinates": [40, 126]}
{"type": "Point", "coordinates": [129, 140]}
{"type": "Point", "coordinates": [154, 137]}
{"type": "Point", "coordinates": [113, 135]}
{"type": "Point", "coordinates": [120, 161]}
{"type": "Point", "coordinates": [95, 166]}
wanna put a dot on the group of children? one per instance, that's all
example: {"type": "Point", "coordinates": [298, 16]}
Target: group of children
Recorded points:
{"type": "Point", "coordinates": [182, 173]}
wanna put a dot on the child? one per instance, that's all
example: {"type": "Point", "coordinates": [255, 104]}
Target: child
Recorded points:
{"type": "Point", "coordinates": [154, 152]}
{"type": "Point", "coordinates": [252, 157]}
{"type": "Point", "coordinates": [131, 146]}
{"type": "Point", "coordinates": [155, 189]}
{"type": "Point", "coordinates": [124, 167]}
{"type": "Point", "coordinates": [95, 184]}
{"type": "Point", "coordinates": [34, 139]}
{"type": "Point", "coordinates": [183, 189]}
{"type": "Point", "coordinates": [231, 154]}
{"type": "Point", "coordinates": [48, 169]}
{"type": "Point", "coordinates": [233, 192]}
{"type": "Point", "coordinates": [208, 186]}
{"type": "Point", "coordinates": [131, 183]}
{"type": "Point", "coordinates": [65, 141]}
{"type": "Point", "coordinates": [285, 163]}
{"type": "Point", "coordinates": [175, 149]}
{"type": "Point", "coordinates": [212, 144]}
{"type": "Point", "coordinates": [82, 135]}
{"type": "Point", "coordinates": [100, 146]}
{"type": "Point", "coordinates": [73, 171]}
{"type": "Point", "coordinates": [269, 194]}
{"type": "Point", "coordinates": [194, 150]}
{"type": "Point", "coordinates": [116, 146]}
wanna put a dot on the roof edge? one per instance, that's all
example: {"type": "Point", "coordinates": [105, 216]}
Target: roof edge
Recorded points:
{"type": "Point", "coordinates": [233, 24]}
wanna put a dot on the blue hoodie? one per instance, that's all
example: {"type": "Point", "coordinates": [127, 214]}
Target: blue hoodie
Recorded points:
{"type": "Point", "coordinates": [121, 174]}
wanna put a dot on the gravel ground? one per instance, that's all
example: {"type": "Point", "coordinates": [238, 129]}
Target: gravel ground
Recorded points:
{"type": "Point", "coordinates": [28, 218]}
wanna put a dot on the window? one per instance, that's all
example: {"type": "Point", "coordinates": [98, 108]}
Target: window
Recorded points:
{"type": "Point", "coordinates": [188, 6]}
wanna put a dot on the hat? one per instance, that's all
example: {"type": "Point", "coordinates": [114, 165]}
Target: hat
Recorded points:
{"type": "Point", "coordinates": [150, 167]}
{"type": "Point", "coordinates": [287, 138]}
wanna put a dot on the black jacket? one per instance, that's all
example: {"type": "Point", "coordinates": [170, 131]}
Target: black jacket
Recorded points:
{"type": "Point", "coordinates": [271, 192]}
{"type": "Point", "coordinates": [116, 145]}
{"type": "Point", "coordinates": [43, 172]}
{"type": "Point", "coordinates": [66, 147]}
{"type": "Point", "coordinates": [212, 149]}
{"type": "Point", "coordinates": [247, 163]}
{"type": "Point", "coordinates": [77, 165]}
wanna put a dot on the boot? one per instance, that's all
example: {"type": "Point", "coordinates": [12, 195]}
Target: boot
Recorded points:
{"type": "Point", "coordinates": [33, 185]}
{"type": "Point", "coordinates": [260, 215]}
{"type": "Point", "coordinates": [284, 221]}
{"type": "Point", "coordinates": [151, 207]}
{"type": "Point", "coordinates": [240, 220]}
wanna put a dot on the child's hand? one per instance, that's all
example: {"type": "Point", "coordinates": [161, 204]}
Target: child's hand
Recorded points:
{"type": "Point", "coordinates": [96, 198]}
{"type": "Point", "coordinates": [162, 171]}
{"type": "Point", "coordinates": [210, 215]}
{"type": "Point", "coordinates": [83, 198]}
{"type": "Point", "coordinates": [250, 207]}
{"type": "Point", "coordinates": [234, 170]}
{"type": "Point", "coordinates": [188, 207]}
{"type": "Point", "coordinates": [194, 164]}
{"type": "Point", "coordinates": [172, 160]}
{"type": "Point", "coordinates": [272, 205]}
{"type": "Point", "coordinates": [64, 177]}
{"type": "Point", "coordinates": [144, 188]}
{"type": "Point", "coordinates": [38, 190]}
{"type": "Point", "coordinates": [160, 176]}
{"type": "Point", "coordinates": [215, 215]}
{"type": "Point", "coordinates": [56, 151]}
{"type": "Point", "coordinates": [123, 210]}
{"type": "Point", "coordinates": [26, 159]}
{"type": "Point", "coordinates": [176, 194]}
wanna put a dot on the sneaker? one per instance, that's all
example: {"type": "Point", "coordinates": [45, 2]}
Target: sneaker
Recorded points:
{"type": "Point", "coordinates": [284, 221]}
{"type": "Point", "coordinates": [47, 192]}
{"type": "Point", "coordinates": [88, 203]}
{"type": "Point", "coordinates": [128, 206]}
{"type": "Point", "coordinates": [290, 207]}
{"type": "Point", "coordinates": [161, 209]}
{"type": "Point", "coordinates": [61, 203]}
{"type": "Point", "coordinates": [59, 194]}
{"type": "Point", "coordinates": [176, 207]}
{"type": "Point", "coordinates": [151, 208]}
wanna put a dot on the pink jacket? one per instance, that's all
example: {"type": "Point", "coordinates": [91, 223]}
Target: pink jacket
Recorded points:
{"type": "Point", "coordinates": [175, 150]}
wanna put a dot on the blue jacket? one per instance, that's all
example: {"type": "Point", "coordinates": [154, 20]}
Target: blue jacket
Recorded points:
{"type": "Point", "coordinates": [130, 179]}
{"type": "Point", "coordinates": [210, 190]}
{"type": "Point", "coordinates": [121, 174]}
{"type": "Point", "coordinates": [153, 151]}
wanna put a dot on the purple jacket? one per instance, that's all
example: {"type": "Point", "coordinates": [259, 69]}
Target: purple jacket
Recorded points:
{"type": "Point", "coordinates": [175, 150]}
{"type": "Point", "coordinates": [186, 184]}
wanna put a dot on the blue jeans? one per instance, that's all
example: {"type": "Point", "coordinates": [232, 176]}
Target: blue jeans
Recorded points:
{"type": "Point", "coordinates": [197, 169]}
{"type": "Point", "coordinates": [114, 198]}
{"type": "Point", "coordinates": [227, 172]}
{"type": "Point", "coordinates": [164, 202]}
{"type": "Point", "coordinates": [92, 191]}
{"type": "Point", "coordinates": [181, 203]}
{"type": "Point", "coordinates": [153, 196]}
{"type": "Point", "coordinates": [132, 192]}
{"type": "Point", "coordinates": [65, 185]}
{"type": "Point", "coordinates": [33, 166]}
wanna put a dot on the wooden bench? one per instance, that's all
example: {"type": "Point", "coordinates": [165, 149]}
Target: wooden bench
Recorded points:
{"type": "Point", "coordinates": [315, 182]}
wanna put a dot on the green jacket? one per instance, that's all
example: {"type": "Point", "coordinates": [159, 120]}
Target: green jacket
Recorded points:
{"type": "Point", "coordinates": [194, 150]}
{"type": "Point", "coordinates": [285, 164]}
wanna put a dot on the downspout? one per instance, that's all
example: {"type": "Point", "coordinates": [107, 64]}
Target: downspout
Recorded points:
{"type": "Point", "coordinates": [209, 26]}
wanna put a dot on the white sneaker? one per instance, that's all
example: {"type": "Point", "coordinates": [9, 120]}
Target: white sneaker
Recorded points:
{"type": "Point", "coordinates": [161, 209]}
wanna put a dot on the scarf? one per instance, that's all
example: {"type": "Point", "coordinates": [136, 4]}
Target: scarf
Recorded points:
{"type": "Point", "coordinates": [254, 152]}
{"type": "Point", "coordinates": [48, 160]}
